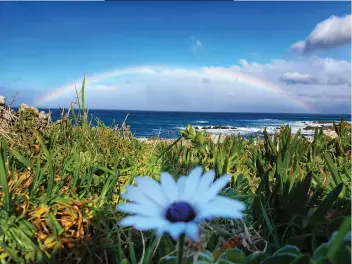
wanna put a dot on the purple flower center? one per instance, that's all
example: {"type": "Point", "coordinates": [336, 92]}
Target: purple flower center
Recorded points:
{"type": "Point", "coordinates": [180, 212]}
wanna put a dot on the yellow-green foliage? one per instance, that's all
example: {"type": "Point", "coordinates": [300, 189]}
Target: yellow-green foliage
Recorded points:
{"type": "Point", "coordinates": [59, 187]}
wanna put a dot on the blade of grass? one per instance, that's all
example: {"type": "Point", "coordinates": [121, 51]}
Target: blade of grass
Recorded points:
{"type": "Point", "coordinates": [50, 184]}
{"type": "Point", "coordinates": [270, 226]}
{"type": "Point", "coordinates": [3, 178]}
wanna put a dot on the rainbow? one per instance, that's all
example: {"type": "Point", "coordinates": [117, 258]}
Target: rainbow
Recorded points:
{"type": "Point", "coordinates": [215, 72]}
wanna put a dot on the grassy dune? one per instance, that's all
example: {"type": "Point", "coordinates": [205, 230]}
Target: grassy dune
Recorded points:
{"type": "Point", "coordinates": [60, 184]}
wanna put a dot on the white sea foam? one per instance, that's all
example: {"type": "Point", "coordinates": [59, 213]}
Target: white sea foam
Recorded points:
{"type": "Point", "coordinates": [202, 121]}
{"type": "Point", "coordinates": [271, 127]}
{"type": "Point", "coordinates": [269, 119]}
{"type": "Point", "coordinates": [220, 131]}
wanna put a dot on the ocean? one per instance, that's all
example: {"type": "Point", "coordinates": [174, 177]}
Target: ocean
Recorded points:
{"type": "Point", "coordinates": [147, 124]}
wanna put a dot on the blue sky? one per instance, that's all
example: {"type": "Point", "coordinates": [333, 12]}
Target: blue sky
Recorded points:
{"type": "Point", "coordinates": [48, 45]}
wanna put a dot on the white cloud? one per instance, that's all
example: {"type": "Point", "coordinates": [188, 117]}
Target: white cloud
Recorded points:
{"type": "Point", "coordinates": [293, 78]}
{"type": "Point", "coordinates": [332, 32]}
{"type": "Point", "coordinates": [298, 78]}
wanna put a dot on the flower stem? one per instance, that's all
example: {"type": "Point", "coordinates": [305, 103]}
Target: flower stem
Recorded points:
{"type": "Point", "coordinates": [180, 247]}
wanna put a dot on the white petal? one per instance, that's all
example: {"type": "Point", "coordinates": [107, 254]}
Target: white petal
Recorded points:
{"type": "Point", "coordinates": [216, 187]}
{"type": "Point", "coordinates": [143, 223]}
{"type": "Point", "coordinates": [204, 184]}
{"type": "Point", "coordinates": [169, 186]}
{"type": "Point", "coordinates": [152, 189]}
{"type": "Point", "coordinates": [181, 187]}
{"type": "Point", "coordinates": [222, 207]}
{"type": "Point", "coordinates": [160, 231]}
{"type": "Point", "coordinates": [145, 208]}
{"type": "Point", "coordinates": [192, 231]}
{"type": "Point", "coordinates": [133, 194]}
{"type": "Point", "coordinates": [176, 229]}
{"type": "Point", "coordinates": [192, 182]}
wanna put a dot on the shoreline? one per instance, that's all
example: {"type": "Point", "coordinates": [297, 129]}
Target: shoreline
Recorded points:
{"type": "Point", "coordinates": [217, 133]}
{"type": "Point", "coordinates": [221, 137]}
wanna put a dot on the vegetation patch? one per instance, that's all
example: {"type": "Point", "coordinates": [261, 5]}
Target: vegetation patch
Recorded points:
{"type": "Point", "coordinates": [60, 184]}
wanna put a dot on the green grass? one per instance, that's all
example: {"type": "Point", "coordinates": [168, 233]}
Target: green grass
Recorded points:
{"type": "Point", "coordinates": [60, 184]}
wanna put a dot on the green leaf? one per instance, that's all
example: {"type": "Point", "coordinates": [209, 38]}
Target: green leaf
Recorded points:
{"type": "Point", "coordinates": [235, 255]}
{"type": "Point", "coordinates": [223, 261]}
{"type": "Point", "coordinates": [212, 241]}
{"type": "Point", "coordinates": [254, 258]}
{"type": "Point", "coordinates": [21, 159]}
{"type": "Point", "coordinates": [302, 260]}
{"type": "Point", "coordinates": [270, 226]}
{"type": "Point", "coordinates": [286, 258]}
{"type": "Point", "coordinates": [131, 249]}
{"type": "Point", "coordinates": [324, 207]}
{"type": "Point", "coordinates": [49, 191]}
{"type": "Point", "coordinates": [344, 255]}
{"type": "Point", "coordinates": [336, 244]}
{"type": "Point", "coordinates": [3, 177]}
{"type": "Point", "coordinates": [299, 195]}
{"type": "Point", "coordinates": [220, 230]}
{"type": "Point", "coordinates": [332, 168]}
{"type": "Point", "coordinates": [124, 261]}
{"type": "Point", "coordinates": [11, 252]}
{"type": "Point", "coordinates": [168, 260]}
{"type": "Point", "coordinates": [321, 252]}
{"type": "Point", "coordinates": [206, 256]}
{"type": "Point", "coordinates": [288, 249]}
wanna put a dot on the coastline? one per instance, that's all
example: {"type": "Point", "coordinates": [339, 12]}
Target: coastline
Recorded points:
{"type": "Point", "coordinates": [217, 133]}
{"type": "Point", "coordinates": [221, 137]}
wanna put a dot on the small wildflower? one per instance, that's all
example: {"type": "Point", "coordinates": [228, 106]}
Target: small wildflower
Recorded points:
{"type": "Point", "coordinates": [178, 207]}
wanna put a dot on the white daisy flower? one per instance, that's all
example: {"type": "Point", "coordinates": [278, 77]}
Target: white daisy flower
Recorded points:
{"type": "Point", "coordinates": [178, 207]}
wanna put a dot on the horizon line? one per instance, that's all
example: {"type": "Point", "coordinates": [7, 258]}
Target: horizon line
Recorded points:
{"type": "Point", "coordinates": [190, 111]}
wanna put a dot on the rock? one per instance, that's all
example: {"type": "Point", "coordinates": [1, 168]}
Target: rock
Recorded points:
{"type": "Point", "coordinates": [330, 133]}
{"type": "Point", "coordinates": [324, 122]}
{"type": "Point", "coordinates": [25, 107]}
{"type": "Point", "coordinates": [215, 138]}
{"type": "Point", "coordinates": [309, 128]}
{"type": "Point", "coordinates": [309, 138]}
{"type": "Point", "coordinates": [2, 100]}
{"type": "Point", "coordinates": [329, 127]}
{"type": "Point", "coordinates": [43, 116]}
{"type": "Point", "coordinates": [216, 127]}
{"type": "Point", "coordinates": [6, 114]}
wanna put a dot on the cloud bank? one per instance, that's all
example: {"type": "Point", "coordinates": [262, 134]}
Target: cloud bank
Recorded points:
{"type": "Point", "coordinates": [332, 32]}
{"type": "Point", "coordinates": [298, 78]}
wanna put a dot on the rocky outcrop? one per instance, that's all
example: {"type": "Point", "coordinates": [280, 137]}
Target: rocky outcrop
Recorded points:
{"type": "Point", "coordinates": [25, 108]}
{"type": "Point", "coordinates": [213, 127]}
{"type": "Point", "coordinates": [26, 117]}
{"type": "Point", "coordinates": [324, 127]}
{"type": "Point", "coordinates": [7, 115]}
{"type": "Point", "coordinates": [330, 133]}
{"type": "Point", "coordinates": [2, 101]}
